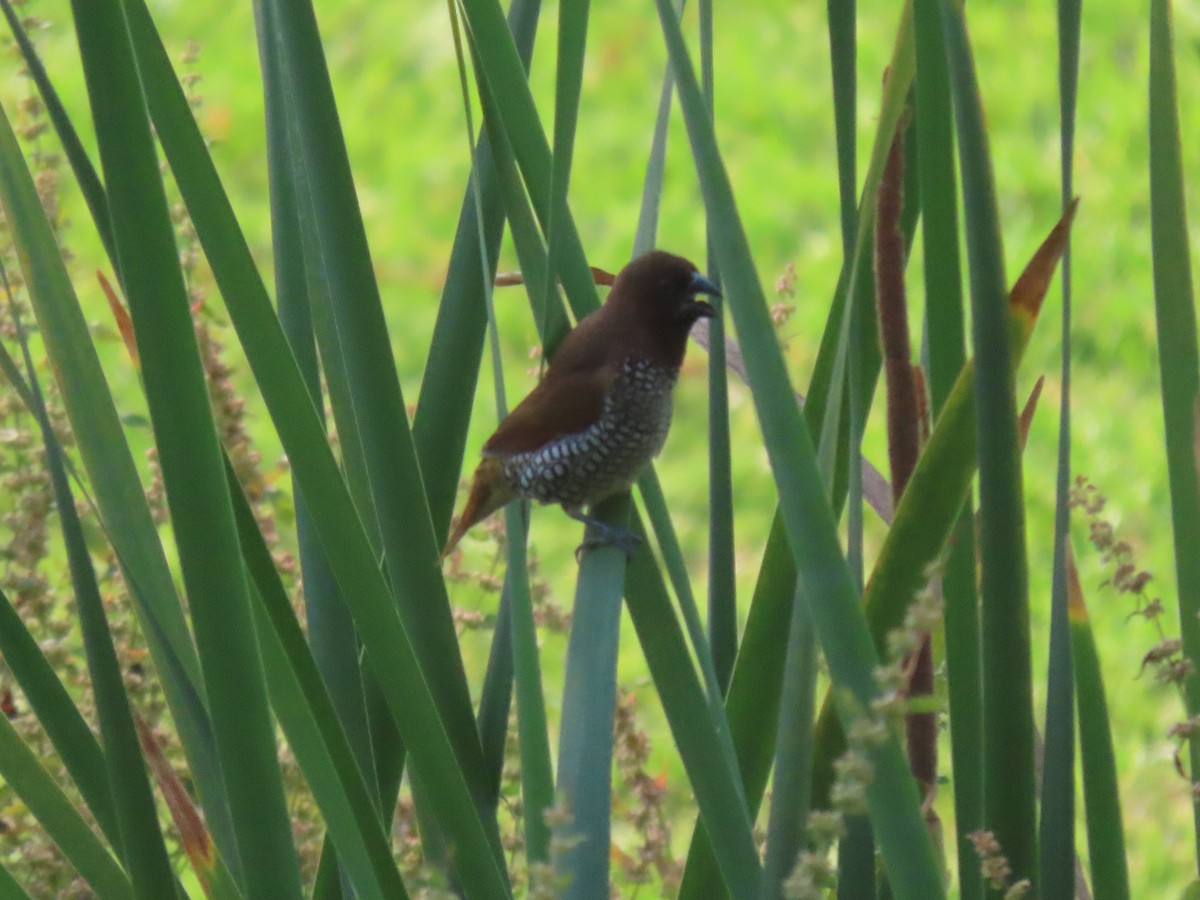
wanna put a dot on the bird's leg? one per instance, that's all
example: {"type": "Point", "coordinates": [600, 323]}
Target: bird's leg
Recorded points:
{"type": "Point", "coordinates": [604, 534]}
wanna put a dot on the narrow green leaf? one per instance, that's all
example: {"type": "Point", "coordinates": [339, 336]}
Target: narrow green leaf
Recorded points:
{"type": "Point", "coordinates": [37, 790]}
{"type": "Point", "coordinates": [381, 749]}
{"type": "Point", "coordinates": [1056, 834]}
{"type": "Point", "coordinates": [646, 235]}
{"type": "Point", "coordinates": [856, 849]}
{"type": "Point", "coordinates": [81, 164]}
{"type": "Point", "coordinates": [495, 696]}
{"type": "Point", "coordinates": [141, 842]}
{"type": "Point", "coordinates": [945, 356]}
{"type": "Point", "coordinates": [698, 735]}
{"type": "Point", "coordinates": [1101, 794]}
{"type": "Point", "coordinates": [389, 651]}
{"type": "Point", "coordinates": [753, 702]}
{"type": "Point", "coordinates": [113, 475]}
{"type": "Point", "coordinates": [537, 771]}
{"type": "Point", "coordinates": [401, 507]}
{"type": "Point", "coordinates": [549, 316]}
{"type": "Point", "coordinates": [664, 531]}
{"type": "Point", "coordinates": [9, 889]}
{"type": "Point", "coordinates": [936, 493]}
{"type": "Point", "coordinates": [74, 740]}
{"type": "Point", "coordinates": [855, 282]}
{"type": "Point", "coordinates": [722, 579]}
{"type": "Point", "coordinates": [857, 845]}
{"type": "Point", "coordinates": [588, 706]}
{"type": "Point", "coordinates": [843, 53]}
{"type": "Point", "coordinates": [1178, 356]}
{"type": "Point", "coordinates": [812, 531]}
{"type": "Point", "coordinates": [507, 84]}
{"type": "Point", "coordinates": [202, 514]}
{"type": "Point", "coordinates": [791, 793]}
{"type": "Point", "coordinates": [69, 734]}
{"type": "Point", "coordinates": [754, 691]}
{"type": "Point", "coordinates": [568, 81]}
{"type": "Point", "coordinates": [311, 722]}
{"type": "Point", "coordinates": [1009, 792]}
{"type": "Point", "coordinates": [934, 124]}
{"type": "Point", "coordinates": [387, 748]}
{"type": "Point", "coordinates": [334, 642]}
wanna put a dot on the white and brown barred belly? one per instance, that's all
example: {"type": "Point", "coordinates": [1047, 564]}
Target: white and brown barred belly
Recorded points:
{"type": "Point", "coordinates": [585, 467]}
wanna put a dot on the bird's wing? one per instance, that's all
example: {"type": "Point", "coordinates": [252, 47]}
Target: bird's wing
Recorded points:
{"type": "Point", "coordinates": [557, 407]}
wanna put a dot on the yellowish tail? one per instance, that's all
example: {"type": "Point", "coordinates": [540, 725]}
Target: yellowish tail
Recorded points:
{"type": "Point", "coordinates": [489, 492]}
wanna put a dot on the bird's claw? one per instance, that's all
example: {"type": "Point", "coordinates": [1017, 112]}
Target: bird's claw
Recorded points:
{"type": "Point", "coordinates": [602, 534]}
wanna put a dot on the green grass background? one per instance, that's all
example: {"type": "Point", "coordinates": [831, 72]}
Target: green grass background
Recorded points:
{"type": "Point", "coordinates": [394, 72]}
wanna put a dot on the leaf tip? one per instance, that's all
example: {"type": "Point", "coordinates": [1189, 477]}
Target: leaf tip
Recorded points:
{"type": "Point", "coordinates": [1030, 289]}
{"type": "Point", "coordinates": [120, 316]}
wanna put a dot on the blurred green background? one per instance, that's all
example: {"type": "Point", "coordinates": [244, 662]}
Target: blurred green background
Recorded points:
{"type": "Point", "coordinates": [394, 71]}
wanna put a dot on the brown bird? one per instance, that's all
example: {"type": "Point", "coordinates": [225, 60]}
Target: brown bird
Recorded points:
{"type": "Point", "coordinates": [602, 411]}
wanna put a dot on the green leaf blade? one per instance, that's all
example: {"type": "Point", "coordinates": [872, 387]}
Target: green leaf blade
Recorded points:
{"type": "Point", "coordinates": [141, 844]}
{"type": "Point", "coordinates": [202, 514]}
{"type": "Point", "coordinates": [1101, 794]}
{"type": "Point", "coordinates": [811, 527]}
{"type": "Point", "coordinates": [21, 770]}
{"type": "Point", "coordinates": [1178, 356]}
{"type": "Point", "coordinates": [1009, 790]}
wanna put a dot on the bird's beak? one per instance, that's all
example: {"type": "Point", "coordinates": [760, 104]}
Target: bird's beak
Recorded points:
{"type": "Point", "coordinates": [701, 285]}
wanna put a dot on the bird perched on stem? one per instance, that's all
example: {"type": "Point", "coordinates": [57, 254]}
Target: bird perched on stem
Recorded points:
{"type": "Point", "coordinates": [602, 411]}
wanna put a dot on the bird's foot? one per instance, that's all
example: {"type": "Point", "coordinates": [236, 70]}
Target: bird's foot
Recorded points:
{"type": "Point", "coordinates": [604, 534]}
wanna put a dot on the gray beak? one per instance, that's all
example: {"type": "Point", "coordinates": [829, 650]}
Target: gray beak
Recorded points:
{"type": "Point", "coordinates": [701, 285]}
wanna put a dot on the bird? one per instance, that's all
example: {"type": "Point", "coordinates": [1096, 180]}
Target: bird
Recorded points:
{"type": "Point", "coordinates": [603, 408]}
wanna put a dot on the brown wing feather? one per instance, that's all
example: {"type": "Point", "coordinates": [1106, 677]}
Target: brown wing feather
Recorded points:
{"type": "Point", "coordinates": [569, 398]}
{"type": "Point", "coordinates": [555, 408]}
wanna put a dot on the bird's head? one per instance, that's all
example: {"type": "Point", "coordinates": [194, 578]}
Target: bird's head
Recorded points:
{"type": "Point", "coordinates": [662, 291]}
